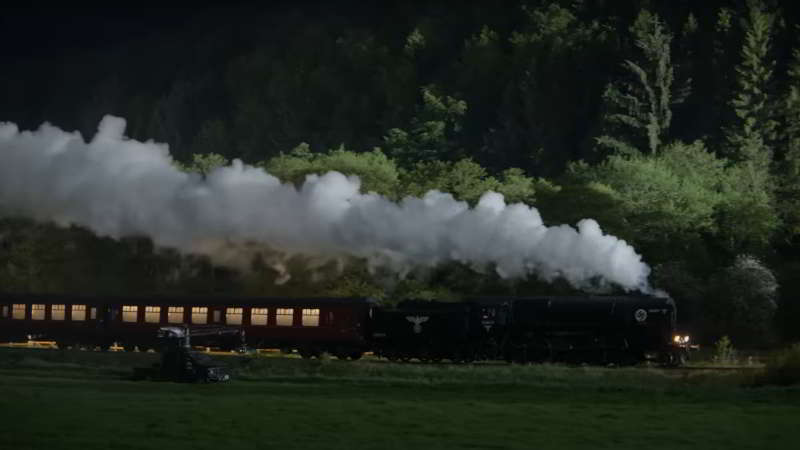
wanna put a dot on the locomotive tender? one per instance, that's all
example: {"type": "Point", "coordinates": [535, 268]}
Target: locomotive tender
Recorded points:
{"type": "Point", "coordinates": [593, 329]}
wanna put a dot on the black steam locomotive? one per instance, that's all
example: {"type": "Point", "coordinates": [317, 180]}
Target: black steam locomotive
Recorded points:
{"type": "Point", "coordinates": [592, 329]}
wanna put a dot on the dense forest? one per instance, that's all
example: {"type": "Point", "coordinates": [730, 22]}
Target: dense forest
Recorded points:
{"type": "Point", "coordinates": [674, 124]}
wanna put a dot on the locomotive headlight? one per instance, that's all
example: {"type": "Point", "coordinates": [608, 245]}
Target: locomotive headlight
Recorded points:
{"type": "Point", "coordinates": [678, 339]}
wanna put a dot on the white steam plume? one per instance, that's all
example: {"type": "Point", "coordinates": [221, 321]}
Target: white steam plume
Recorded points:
{"type": "Point", "coordinates": [119, 187]}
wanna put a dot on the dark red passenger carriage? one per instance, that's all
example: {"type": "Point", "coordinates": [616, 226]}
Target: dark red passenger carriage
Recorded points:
{"type": "Point", "coordinates": [310, 326]}
{"type": "Point", "coordinates": [68, 320]}
{"type": "Point", "coordinates": [338, 326]}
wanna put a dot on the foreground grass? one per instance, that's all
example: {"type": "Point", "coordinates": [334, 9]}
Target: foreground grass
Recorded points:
{"type": "Point", "coordinates": [78, 400]}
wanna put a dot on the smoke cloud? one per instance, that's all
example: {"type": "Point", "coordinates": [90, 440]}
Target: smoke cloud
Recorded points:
{"type": "Point", "coordinates": [120, 187]}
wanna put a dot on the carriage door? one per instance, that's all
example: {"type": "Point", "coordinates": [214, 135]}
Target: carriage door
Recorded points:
{"type": "Point", "coordinates": [216, 314]}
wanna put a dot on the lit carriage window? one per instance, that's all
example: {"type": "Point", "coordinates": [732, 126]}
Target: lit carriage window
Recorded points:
{"type": "Point", "coordinates": [175, 314]}
{"type": "Point", "coordinates": [258, 316]}
{"type": "Point", "coordinates": [129, 313]}
{"type": "Point", "coordinates": [284, 317]}
{"type": "Point", "coordinates": [233, 316]}
{"type": "Point", "coordinates": [18, 311]}
{"type": "Point", "coordinates": [310, 317]}
{"type": "Point", "coordinates": [199, 314]}
{"type": "Point", "coordinates": [57, 312]}
{"type": "Point", "coordinates": [93, 313]}
{"type": "Point", "coordinates": [152, 314]}
{"type": "Point", "coordinates": [37, 312]}
{"type": "Point", "coordinates": [78, 312]}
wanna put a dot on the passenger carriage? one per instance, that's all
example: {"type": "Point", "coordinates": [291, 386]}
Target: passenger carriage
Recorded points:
{"type": "Point", "coordinates": [67, 320]}
{"type": "Point", "coordinates": [310, 326]}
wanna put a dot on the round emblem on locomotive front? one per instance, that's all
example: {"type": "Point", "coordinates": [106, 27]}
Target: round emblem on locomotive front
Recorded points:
{"type": "Point", "coordinates": [640, 315]}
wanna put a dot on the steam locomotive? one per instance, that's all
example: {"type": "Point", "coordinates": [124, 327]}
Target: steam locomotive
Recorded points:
{"type": "Point", "coordinates": [591, 329]}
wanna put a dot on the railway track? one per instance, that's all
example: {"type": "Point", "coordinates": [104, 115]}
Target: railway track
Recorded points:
{"type": "Point", "coordinates": [369, 358]}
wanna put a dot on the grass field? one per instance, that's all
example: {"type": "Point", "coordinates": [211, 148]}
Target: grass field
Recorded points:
{"type": "Point", "coordinates": [81, 400]}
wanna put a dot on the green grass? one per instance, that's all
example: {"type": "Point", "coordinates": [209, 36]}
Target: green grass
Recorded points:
{"type": "Point", "coordinates": [81, 400]}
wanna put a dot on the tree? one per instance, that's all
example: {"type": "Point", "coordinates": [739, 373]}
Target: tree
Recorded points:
{"type": "Point", "coordinates": [642, 104]}
{"type": "Point", "coordinates": [432, 132]}
{"type": "Point", "coordinates": [466, 180]}
{"type": "Point", "coordinates": [550, 84]}
{"type": "Point", "coordinates": [377, 172]}
{"type": "Point", "coordinates": [204, 163]}
{"type": "Point", "coordinates": [749, 140]}
{"type": "Point", "coordinates": [212, 138]}
{"type": "Point", "coordinates": [750, 136]}
{"type": "Point", "coordinates": [788, 160]}
{"type": "Point", "coordinates": [664, 199]}
{"type": "Point", "coordinates": [742, 302]}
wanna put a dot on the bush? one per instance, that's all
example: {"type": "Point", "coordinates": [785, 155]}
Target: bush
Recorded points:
{"type": "Point", "coordinates": [724, 353]}
{"type": "Point", "coordinates": [741, 303]}
{"type": "Point", "coordinates": [782, 368]}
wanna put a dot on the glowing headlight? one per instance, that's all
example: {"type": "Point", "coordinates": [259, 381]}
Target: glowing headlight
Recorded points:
{"type": "Point", "coordinates": [686, 339]}
{"type": "Point", "coordinates": [677, 339]}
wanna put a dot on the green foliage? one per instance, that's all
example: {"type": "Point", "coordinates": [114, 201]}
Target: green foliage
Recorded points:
{"type": "Point", "coordinates": [547, 96]}
{"type": "Point", "coordinates": [724, 353]}
{"type": "Point", "coordinates": [204, 163]}
{"type": "Point", "coordinates": [642, 105]}
{"type": "Point", "coordinates": [576, 199]}
{"type": "Point", "coordinates": [685, 282]}
{"type": "Point", "coordinates": [45, 258]}
{"type": "Point", "coordinates": [431, 134]}
{"type": "Point", "coordinates": [782, 368]}
{"type": "Point", "coordinates": [741, 302]}
{"type": "Point", "coordinates": [466, 180]}
{"type": "Point", "coordinates": [746, 217]}
{"type": "Point", "coordinates": [662, 198]}
{"type": "Point", "coordinates": [750, 137]}
{"type": "Point", "coordinates": [415, 42]}
{"type": "Point", "coordinates": [788, 155]}
{"type": "Point", "coordinates": [417, 289]}
{"type": "Point", "coordinates": [517, 187]}
{"type": "Point", "coordinates": [681, 193]}
{"type": "Point", "coordinates": [377, 172]}
{"type": "Point", "coordinates": [212, 138]}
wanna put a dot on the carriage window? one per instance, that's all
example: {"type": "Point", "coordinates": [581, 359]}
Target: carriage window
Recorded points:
{"type": "Point", "coordinates": [216, 316]}
{"type": "Point", "coordinates": [175, 314]}
{"type": "Point", "coordinates": [284, 317]}
{"type": "Point", "coordinates": [129, 313]}
{"type": "Point", "coordinates": [233, 316]}
{"type": "Point", "coordinates": [199, 314]}
{"type": "Point", "coordinates": [37, 312]}
{"type": "Point", "coordinates": [93, 313]}
{"type": "Point", "coordinates": [5, 311]}
{"type": "Point", "coordinates": [258, 316]}
{"type": "Point", "coordinates": [310, 317]}
{"type": "Point", "coordinates": [57, 312]}
{"type": "Point", "coordinates": [18, 311]}
{"type": "Point", "coordinates": [78, 312]}
{"type": "Point", "coordinates": [152, 314]}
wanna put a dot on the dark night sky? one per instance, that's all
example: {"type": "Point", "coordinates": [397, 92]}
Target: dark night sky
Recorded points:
{"type": "Point", "coordinates": [54, 27]}
{"type": "Point", "coordinates": [51, 28]}
{"type": "Point", "coordinates": [48, 30]}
